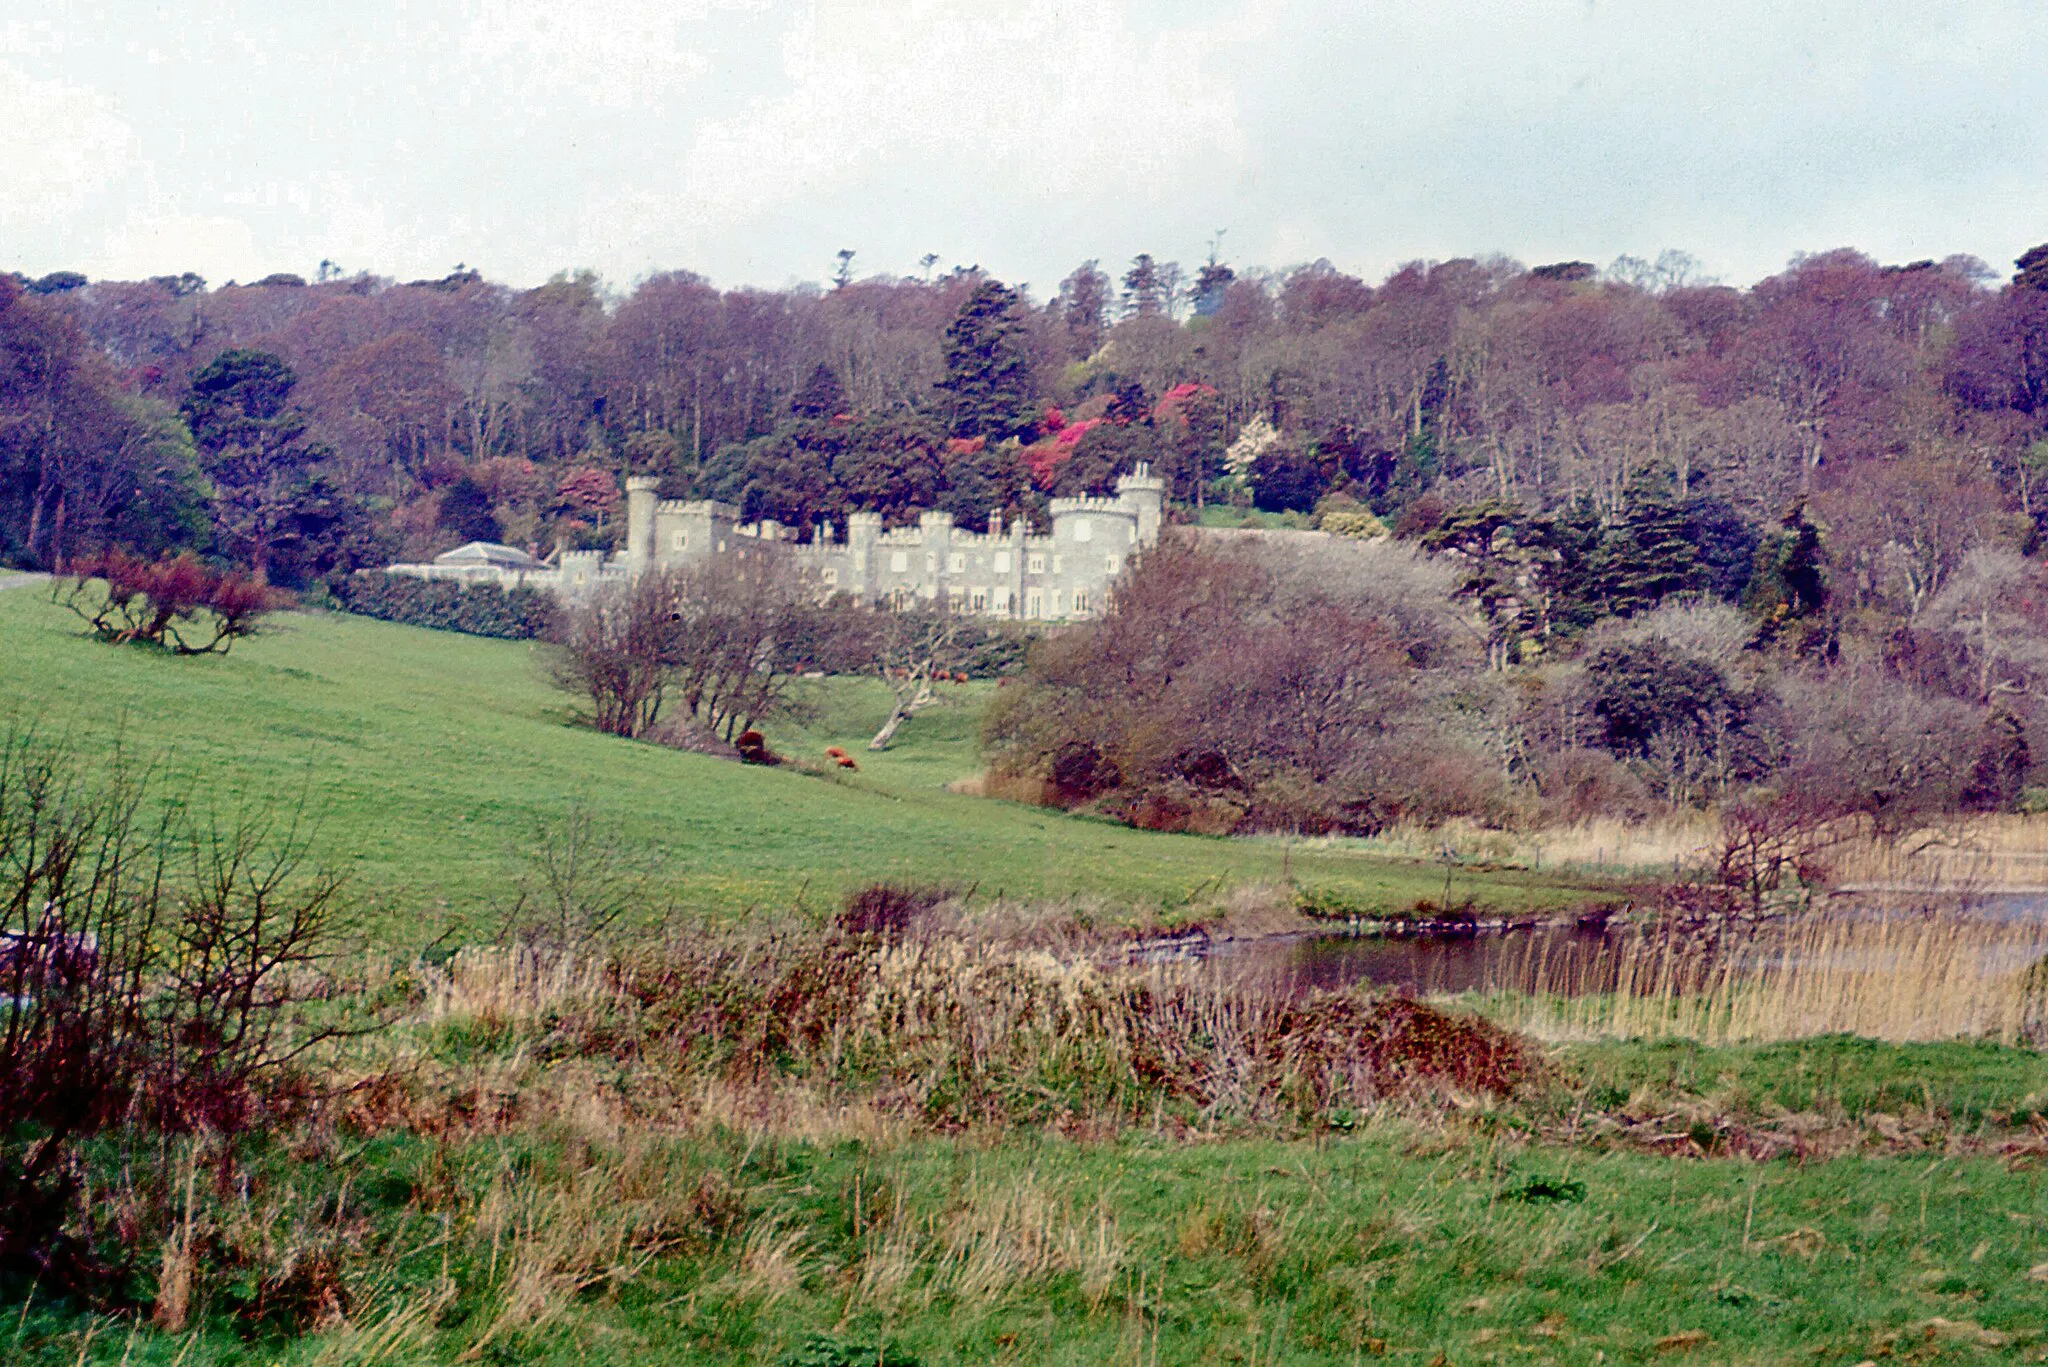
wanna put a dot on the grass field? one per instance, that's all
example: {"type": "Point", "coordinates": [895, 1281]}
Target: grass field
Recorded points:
{"type": "Point", "coordinates": [431, 759]}
{"type": "Point", "coordinates": [795, 1145]}
{"type": "Point", "coordinates": [1535, 1231]}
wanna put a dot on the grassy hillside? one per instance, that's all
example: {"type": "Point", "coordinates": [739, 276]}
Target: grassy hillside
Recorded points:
{"type": "Point", "coordinates": [430, 760]}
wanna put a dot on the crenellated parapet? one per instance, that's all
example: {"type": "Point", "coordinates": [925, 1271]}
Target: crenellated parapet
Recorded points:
{"type": "Point", "coordinates": [995, 569]}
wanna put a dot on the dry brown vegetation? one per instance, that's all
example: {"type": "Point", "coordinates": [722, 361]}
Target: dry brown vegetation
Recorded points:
{"type": "Point", "coordinates": [1900, 973]}
{"type": "Point", "coordinates": [937, 1024]}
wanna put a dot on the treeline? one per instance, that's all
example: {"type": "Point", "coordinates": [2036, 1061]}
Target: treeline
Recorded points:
{"type": "Point", "coordinates": [305, 428]}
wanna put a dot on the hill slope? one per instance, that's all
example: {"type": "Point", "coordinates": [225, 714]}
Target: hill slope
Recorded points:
{"type": "Point", "coordinates": [429, 760]}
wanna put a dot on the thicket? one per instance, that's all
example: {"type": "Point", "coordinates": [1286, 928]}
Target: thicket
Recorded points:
{"type": "Point", "coordinates": [518, 614]}
{"type": "Point", "coordinates": [155, 973]}
{"type": "Point", "coordinates": [1288, 685]}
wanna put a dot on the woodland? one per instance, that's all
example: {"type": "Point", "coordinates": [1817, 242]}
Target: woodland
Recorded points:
{"type": "Point", "coordinates": [1662, 539]}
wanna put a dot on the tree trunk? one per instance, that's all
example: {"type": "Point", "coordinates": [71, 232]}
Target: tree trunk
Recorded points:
{"type": "Point", "coordinates": [906, 704]}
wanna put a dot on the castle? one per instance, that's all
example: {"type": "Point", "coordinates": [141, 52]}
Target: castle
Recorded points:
{"type": "Point", "coordinates": [1005, 571]}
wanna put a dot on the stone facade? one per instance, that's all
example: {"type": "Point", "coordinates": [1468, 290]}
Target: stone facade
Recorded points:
{"type": "Point", "coordinates": [1005, 571]}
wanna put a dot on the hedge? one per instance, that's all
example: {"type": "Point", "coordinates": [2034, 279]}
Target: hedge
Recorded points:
{"type": "Point", "coordinates": [519, 614]}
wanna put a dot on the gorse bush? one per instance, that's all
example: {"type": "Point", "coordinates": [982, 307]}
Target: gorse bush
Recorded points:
{"type": "Point", "coordinates": [126, 598]}
{"type": "Point", "coordinates": [518, 614]}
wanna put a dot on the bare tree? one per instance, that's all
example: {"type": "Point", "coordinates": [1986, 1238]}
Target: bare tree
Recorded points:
{"type": "Point", "coordinates": [619, 648]}
{"type": "Point", "coordinates": [707, 636]}
{"type": "Point", "coordinates": [912, 646]}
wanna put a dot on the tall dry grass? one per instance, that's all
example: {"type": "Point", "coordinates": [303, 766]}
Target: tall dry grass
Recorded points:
{"type": "Point", "coordinates": [1996, 852]}
{"type": "Point", "coordinates": [1897, 974]}
{"type": "Point", "coordinates": [1990, 852]}
{"type": "Point", "coordinates": [1605, 843]}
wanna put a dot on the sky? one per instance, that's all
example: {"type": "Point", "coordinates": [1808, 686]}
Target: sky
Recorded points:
{"type": "Point", "coordinates": [750, 140]}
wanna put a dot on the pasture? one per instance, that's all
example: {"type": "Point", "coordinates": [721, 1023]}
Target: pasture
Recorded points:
{"type": "Point", "coordinates": [429, 764]}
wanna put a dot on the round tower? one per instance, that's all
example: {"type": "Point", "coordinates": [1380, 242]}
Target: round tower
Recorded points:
{"type": "Point", "coordinates": [640, 504]}
{"type": "Point", "coordinates": [1145, 494]}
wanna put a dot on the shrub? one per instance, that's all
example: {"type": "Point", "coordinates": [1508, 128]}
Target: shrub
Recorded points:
{"type": "Point", "coordinates": [125, 599]}
{"type": "Point", "coordinates": [152, 969]}
{"type": "Point", "coordinates": [885, 909]}
{"type": "Point", "coordinates": [1282, 686]}
{"type": "Point", "coordinates": [517, 614]}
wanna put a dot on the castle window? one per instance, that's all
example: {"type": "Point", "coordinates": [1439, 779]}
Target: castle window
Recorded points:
{"type": "Point", "coordinates": [1002, 562]}
{"type": "Point", "coordinates": [831, 574]}
{"type": "Point", "coordinates": [1052, 603]}
{"type": "Point", "coordinates": [721, 548]}
{"type": "Point", "coordinates": [1080, 600]}
{"type": "Point", "coordinates": [1114, 564]}
{"type": "Point", "coordinates": [1001, 601]}
{"type": "Point", "coordinates": [978, 600]}
{"type": "Point", "coordinates": [956, 563]}
{"type": "Point", "coordinates": [954, 595]}
{"type": "Point", "coordinates": [931, 563]}
{"type": "Point", "coordinates": [679, 541]}
{"type": "Point", "coordinates": [899, 562]}
{"type": "Point", "coordinates": [1035, 564]}
{"type": "Point", "coordinates": [1134, 533]}
{"type": "Point", "coordinates": [1034, 602]}
{"type": "Point", "coordinates": [1084, 530]}
{"type": "Point", "coordinates": [1059, 564]}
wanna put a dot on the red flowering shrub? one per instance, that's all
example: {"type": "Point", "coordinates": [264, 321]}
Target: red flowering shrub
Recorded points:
{"type": "Point", "coordinates": [1043, 458]}
{"type": "Point", "coordinates": [1173, 400]}
{"type": "Point", "coordinates": [125, 598]}
{"type": "Point", "coordinates": [586, 489]}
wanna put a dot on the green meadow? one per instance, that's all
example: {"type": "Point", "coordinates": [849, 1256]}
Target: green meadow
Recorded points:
{"type": "Point", "coordinates": [428, 762]}
{"type": "Point", "coordinates": [542, 1169]}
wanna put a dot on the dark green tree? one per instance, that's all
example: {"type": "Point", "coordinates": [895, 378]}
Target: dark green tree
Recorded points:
{"type": "Point", "coordinates": [1144, 288]}
{"type": "Point", "coordinates": [981, 482]}
{"type": "Point", "coordinates": [1725, 545]}
{"type": "Point", "coordinates": [2033, 269]}
{"type": "Point", "coordinates": [892, 467]}
{"type": "Point", "coordinates": [1789, 582]}
{"type": "Point", "coordinates": [988, 390]}
{"type": "Point", "coordinates": [58, 282]}
{"type": "Point", "coordinates": [1645, 691]}
{"type": "Point", "coordinates": [1210, 283]}
{"type": "Point", "coordinates": [822, 398]}
{"type": "Point", "coordinates": [466, 511]}
{"type": "Point", "coordinates": [1106, 452]}
{"type": "Point", "coordinates": [273, 509]}
{"type": "Point", "coordinates": [1286, 478]}
{"type": "Point", "coordinates": [1647, 557]}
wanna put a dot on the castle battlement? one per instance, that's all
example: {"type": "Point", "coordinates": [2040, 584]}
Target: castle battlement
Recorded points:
{"type": "Point", "coordinates": [1116, 507]}
{"type": "Point", "coordinates": [1001, 571]}
{"type": "Point", "coordinates": [697, 507]}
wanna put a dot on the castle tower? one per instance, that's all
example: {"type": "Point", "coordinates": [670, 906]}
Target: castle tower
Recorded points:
{"type": "Point", "coordinates": [863, 530]}
{"type": "Point", "coordinates": [640, 505]}
{"type": "Point", "coordinates": [1145, 493]}
{"type": "Point", "coordinates": [935, 529]}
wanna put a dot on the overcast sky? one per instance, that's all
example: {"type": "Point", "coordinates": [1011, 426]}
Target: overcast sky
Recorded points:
{"type": "Point", "coordinates": [749, 140]}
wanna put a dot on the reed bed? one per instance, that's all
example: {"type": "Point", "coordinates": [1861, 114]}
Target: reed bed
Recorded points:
{"type": "Point", "coordinates": [1895, 974]}
{"type": "Point", "coordinates": [1603, 843]}
{"type": "Point", "coordinates": [1980, 853]}
{"type": "Point", "coordinates": [1964, 852]}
